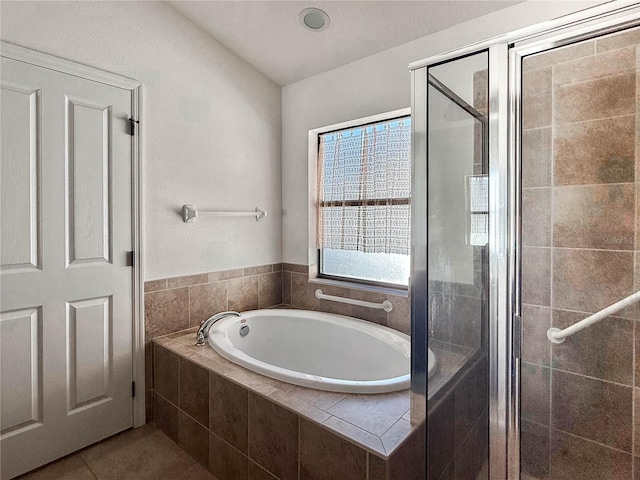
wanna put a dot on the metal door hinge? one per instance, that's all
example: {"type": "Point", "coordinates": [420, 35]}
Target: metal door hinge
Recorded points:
{"type": "Point", "coordinates": [132, 126]}
{"type": "Point", "coordinates": [133, 389]}
{"type": "Point", "coordinates": [517, 336]}
{"type": "Point", "coordinates": [131, 256]}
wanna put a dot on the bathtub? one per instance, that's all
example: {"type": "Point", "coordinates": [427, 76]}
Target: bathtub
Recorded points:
{"type": "Point", "coordinates": [317, 350]}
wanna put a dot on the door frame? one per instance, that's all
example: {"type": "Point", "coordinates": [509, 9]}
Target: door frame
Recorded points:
{"type": "Point", "coordinates": [505, 56]}
{"type": "Point", "coordinates": [39, 59]}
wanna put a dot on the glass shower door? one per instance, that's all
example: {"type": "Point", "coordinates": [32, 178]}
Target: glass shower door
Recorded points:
{"type": "Point", "coordinates": [456, 309]}
{"type": "Point", "coordinates": [579, 193]}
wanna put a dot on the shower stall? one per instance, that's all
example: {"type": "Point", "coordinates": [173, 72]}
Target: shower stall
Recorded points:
{"type": "Point", "coordinates": [525, 216]}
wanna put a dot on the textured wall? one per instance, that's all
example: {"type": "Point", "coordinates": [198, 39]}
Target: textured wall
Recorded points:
{"type": "Point", "coordinates": [211, 125]}
{"type": "Point", "coordinates": [580, 142]}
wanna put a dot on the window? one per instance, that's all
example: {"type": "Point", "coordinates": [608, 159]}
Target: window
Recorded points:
{"type": "Point", "coordinates": [478, 202]}
{"type": "Point", "coordinates": [364, 189]}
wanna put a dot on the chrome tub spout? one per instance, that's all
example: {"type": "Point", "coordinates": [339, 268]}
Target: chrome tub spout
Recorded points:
{"type": "Point", "coordinates": [203, 331]}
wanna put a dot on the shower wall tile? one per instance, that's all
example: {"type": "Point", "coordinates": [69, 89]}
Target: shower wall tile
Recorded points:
{"type": "Point", "coordinates": [594, 152]}
{"type": "Point", "coordinates": [536, 98]}
{"type": "Point", "coordinates": [593, 409]}
{"type": "Point", "coordinates": [536, 347]}
{"type": "Point", "coordinates": [590, 280]}
{"type": "Point", "coordinates": [619, 40]}
{"type": "Point", "coordinates": [576, 458]}
{"type": "Point", "coordinates": [595, 66]}
{"type": "Point", "coordinates": [536, 274]}
{"type": "Point", "coordinates": [536, 157]}
{"type": "Point", "coordinates": [242, 294]}
{"type": "Point", "coordinates": [535, 390]}
{"type": "Point", "coordinates": [206, 300]}
{"type": "Point", "coordinates": [594, 216]}
{"type": "Point", "coordinates": [534, 450]}
{"type": "Point", "coordinates": [558, 55]}
{"type": "Point", "coordinates": [604, 350]}
{"type": "Point", "coordinates": [536, 217]}
{"type": "Point", "coordinates": [602, 98]}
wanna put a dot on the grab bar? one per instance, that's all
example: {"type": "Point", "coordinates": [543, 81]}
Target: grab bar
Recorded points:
{"type": "Point", "coordinates": [190, 212]}
{"type": "Point", "coordinates": [387, 306]}
{"type": "Point", "coordinates": [558, 336]}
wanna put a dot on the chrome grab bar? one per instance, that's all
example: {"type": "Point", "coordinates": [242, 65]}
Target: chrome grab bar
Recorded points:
{"type": "Point", "coordinates": [190, 212]}
{"type": "Point", "coordinates": [556, 335]}
{"type": "Point", "coordinates": [387, 306]}
{"type": "Point", "coordinates": [203, 331]}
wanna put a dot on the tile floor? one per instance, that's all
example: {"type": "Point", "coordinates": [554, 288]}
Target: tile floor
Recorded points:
{"type": "Point", "coordinates": [138, 454]}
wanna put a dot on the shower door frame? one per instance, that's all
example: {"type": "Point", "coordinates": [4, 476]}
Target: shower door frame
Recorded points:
{"type": "Point", "coordinates": [505, 277]}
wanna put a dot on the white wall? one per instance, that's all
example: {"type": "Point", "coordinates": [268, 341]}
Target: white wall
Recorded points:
{"type": "Point", "coordinates": [373, 85]}
{"type": "Point", "coordinates": [211, 125]}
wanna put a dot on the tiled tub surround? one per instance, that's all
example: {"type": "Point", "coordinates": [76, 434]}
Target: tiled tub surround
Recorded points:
{"type": "Point", "coordinates": [581, 399]}
{"type": "Point", "coordinates": [242, 425]}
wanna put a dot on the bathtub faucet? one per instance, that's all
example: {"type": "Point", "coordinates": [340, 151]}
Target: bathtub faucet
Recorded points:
{"type": "Point", "coordinates": [203, 331]}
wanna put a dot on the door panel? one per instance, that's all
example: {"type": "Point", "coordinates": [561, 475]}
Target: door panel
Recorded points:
{"type": "Point", "coordinates": [66, 296]}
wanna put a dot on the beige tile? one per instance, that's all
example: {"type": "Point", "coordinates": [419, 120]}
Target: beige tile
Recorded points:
{"type": "Point", "coordinates": [250, 271]}
{"type": "Point", "coordinates": [373, 413]}
{"type": "Point", "coordinates": [256, 472]}
{"type": "Point", "coordinates": [400, 317]}
{"type": "Point", "coordinates": [318, 450]}
{"type": "Point", "coordinates": [536, 157]}
{"type": "Point", "coordinates": [558, 55]}
{"type": "Point", "coordinates": [194, 390]}
{"type": "Point", "coordinates": [72, 467]}
{"type": "Point", "coordinates": [535, 390]}
{"type": "Point", "coordinates": [535, 344]}
{"type": "Point", "coordinates": [273, 438]}
{"type": "Point", "coordinates": [225, 462]}
{"type": "Point", "coordinates": [269, 290]}
{"type": "Point", "coordinates": [166, 417]}
{"type": "Point", "coordinates": [155, 285]}
{"type": "Point", "coordinates": [226, 274]}
{"type": "Point", "coordinates": [620, 40]}
{"type": "Point", "coordinates": [193, 438]}
{"type": "Point", "coordinates": [612, 339]}
{"type": "Point", "coordinates": [276, 267]}
{"type": "Point", "coordinates": [206, 300]}
{"type": "Point", "coordinates": [286, 288]}
{"type": "Point", "coordinates": [397, 434]}
{"type": "Point", "coordinates": [407, 461]}
{"type": "Point", "coordinates": [595, 216]}
{"type": "Point", "coordinates": [377, 467]}
{"type": "Point", "coordinates": [575, 458]}
{"type": "Point", "coordinates": [303, 292]}
{"type": "Point", "coordinates": [594, 152]}
{"type": "Point", "coordinates": [166, 311]}
{"type": "Point", "coordinates": [595, 66]}
{"type": "Point", "coordinates": [166, 373]}
{"type": "Point", "coordinates": [596, 99]}
{"type": "Point", "coordinates": [536, 98]}
{"type": "Point", "coordinates": [536, 217]}
{"type": "Point", "coordinates": [298, 406]}
{"type": "Point", "coordinates": [355, 435]}
{"type": "Point", "coordinates": [590, 280]}
{"type": "Point", "coordinates": [293, 267]}
{"type": "Point", "coordinates": [242, 294]}
{"type": "Point", "coordinates": [536, 276]}
{"type": "Point", "coordinates": [185, 281]}
{"type": "Point", "coordinates": [636, 422]}
{"type": "Point", "coordinates": [228, 411]}
{"type": "Point", "coordinates": [592, 409]}
{"type": "Point", "coordinates": [318, 398]}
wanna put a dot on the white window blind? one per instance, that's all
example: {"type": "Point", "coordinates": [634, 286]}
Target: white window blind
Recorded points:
{"type": "Point", "coordinates": [364, 188]}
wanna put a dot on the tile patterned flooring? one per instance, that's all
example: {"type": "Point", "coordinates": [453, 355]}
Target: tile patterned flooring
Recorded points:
{"type": "Point", "coordinates": [137, 454]}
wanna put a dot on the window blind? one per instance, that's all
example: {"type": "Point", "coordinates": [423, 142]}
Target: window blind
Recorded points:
{"type": "Point", "coordinates": [364, 188]}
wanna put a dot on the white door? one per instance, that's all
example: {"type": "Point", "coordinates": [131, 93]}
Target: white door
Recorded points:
{"type": "Point", "coordinates": [66, 287]}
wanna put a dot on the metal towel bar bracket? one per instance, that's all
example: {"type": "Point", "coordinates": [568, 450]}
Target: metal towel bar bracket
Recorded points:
{"type": "Point", "coordinates": [556, 335]}
{"type": "Point", "coordinates": [387, 306]}
{"type": "Point", "coordinates": [190, 212]}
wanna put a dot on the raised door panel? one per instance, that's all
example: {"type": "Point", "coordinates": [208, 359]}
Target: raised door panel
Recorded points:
{"type": "Point", "coordinates": [88, 137]}
{"type": "Point", "coordinates": [19, 175]}
{"type": "Point", "coordinates": [21, 370]}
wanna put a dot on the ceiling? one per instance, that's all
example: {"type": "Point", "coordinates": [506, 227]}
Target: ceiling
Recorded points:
{"type": "Point", "coordinates": [268, 34]}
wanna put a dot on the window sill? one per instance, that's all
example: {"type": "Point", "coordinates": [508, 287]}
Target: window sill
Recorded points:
{"type": "Point", "coordinates": [400, 292]}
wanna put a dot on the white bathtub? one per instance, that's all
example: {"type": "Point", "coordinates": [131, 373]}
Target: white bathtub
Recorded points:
{"type": "Point", "coordinates": [317, 350]}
